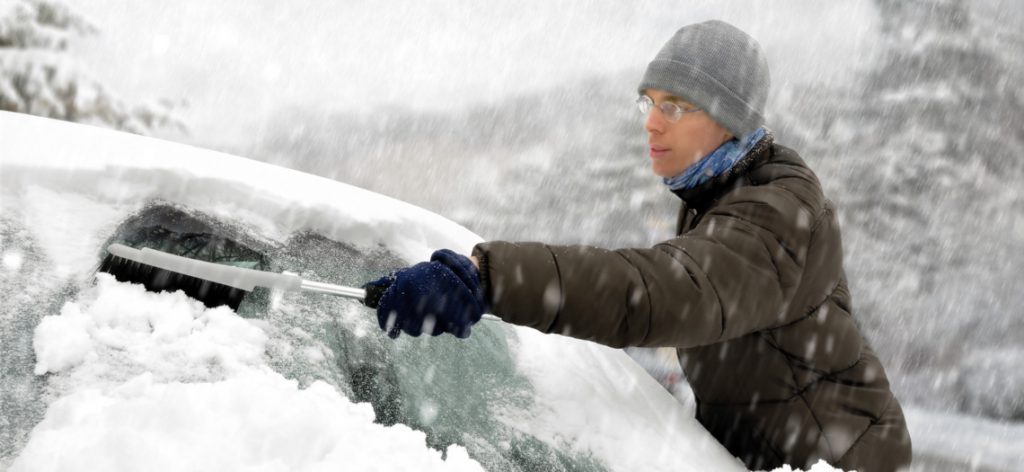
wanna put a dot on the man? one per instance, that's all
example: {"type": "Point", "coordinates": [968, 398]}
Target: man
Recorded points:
{"type": "Point", "coordinates": [751, 292]}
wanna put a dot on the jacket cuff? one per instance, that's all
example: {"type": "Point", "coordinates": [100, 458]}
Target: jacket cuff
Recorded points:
{"type": "Point", "coordinates": [521, 282]}
{"type": "Point", "coordinates": [484, 272]}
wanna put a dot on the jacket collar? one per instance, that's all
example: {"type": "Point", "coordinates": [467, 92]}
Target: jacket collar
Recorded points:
{"type": "Point", "coordinates": [707, 190]}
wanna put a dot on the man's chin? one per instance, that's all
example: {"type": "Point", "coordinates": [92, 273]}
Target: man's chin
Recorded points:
{"type": "Point", "coordinates": [662, 172]}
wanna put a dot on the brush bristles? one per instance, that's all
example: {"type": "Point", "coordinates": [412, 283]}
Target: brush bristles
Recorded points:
{"type": "Point", "coordinates": [155, 279]}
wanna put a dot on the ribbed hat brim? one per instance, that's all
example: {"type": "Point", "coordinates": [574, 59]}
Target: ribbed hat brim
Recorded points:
{"type": "Point", "coordinates": [695, 86]}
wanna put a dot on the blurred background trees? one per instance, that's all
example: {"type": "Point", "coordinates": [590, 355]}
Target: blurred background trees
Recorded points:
{"type": "Point", "coordinates": [40, 76]}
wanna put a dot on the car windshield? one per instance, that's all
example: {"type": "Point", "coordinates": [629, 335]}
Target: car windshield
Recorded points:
{"type": "Point", "coordinates": [413, 382]}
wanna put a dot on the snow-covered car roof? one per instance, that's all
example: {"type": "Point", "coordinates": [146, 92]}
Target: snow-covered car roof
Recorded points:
{"type": "Point", "coordinates": [102, 375]}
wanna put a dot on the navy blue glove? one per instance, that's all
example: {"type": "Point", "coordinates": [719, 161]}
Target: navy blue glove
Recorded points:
{"type": "Point", "coordinates": [440, 296]}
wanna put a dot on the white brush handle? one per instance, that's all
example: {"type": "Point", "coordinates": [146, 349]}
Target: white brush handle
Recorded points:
{"type": "Point", "coordinates": [331, 289]}
{"type": "Point", "coordinates": [238, 277]}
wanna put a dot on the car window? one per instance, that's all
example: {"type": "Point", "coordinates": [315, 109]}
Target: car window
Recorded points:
{"type": "Point", "coordinates": [455, 391]}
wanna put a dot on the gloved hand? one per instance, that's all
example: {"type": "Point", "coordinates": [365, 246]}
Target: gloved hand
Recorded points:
{"type": "Point", "coordinates": [440, 296]}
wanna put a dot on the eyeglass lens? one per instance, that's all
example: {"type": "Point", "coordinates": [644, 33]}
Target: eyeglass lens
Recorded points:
{"type": "Point", "coordinates": [672, 111]}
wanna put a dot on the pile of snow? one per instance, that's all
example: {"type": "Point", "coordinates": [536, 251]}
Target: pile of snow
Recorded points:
{"type": "Point", "coordinates": [113, 170]}
{"type": "Point", "coordinates": [145, 379]}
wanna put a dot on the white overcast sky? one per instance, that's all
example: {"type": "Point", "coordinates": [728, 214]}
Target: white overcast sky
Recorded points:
{"type": "Point", "coordinates": [236, 61]}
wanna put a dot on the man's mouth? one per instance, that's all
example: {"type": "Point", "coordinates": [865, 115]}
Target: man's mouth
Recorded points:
{"type": "Point", "coordinates": [658, 151]}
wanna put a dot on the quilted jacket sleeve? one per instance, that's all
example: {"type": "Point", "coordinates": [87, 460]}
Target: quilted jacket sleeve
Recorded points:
{"type": "Point", "coordinates": [733, 274]}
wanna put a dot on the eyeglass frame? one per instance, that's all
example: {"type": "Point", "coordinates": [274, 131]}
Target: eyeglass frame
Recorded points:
{"type": "Point", "coordinates": [670, 110]}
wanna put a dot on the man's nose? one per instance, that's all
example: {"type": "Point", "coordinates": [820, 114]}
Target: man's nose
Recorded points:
{"type": "Point", "coordinates": [655, 122]}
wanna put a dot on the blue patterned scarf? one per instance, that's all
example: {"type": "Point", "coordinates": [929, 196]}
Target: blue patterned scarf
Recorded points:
{"type": "Point", "coordinates": [719, 161]}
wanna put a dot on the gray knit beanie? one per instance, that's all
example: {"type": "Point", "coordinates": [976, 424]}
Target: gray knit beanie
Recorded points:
{"type": "Point", "coordinates": [718, 68]}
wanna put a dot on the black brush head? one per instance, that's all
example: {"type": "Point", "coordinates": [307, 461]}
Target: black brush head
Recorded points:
{"type": "Point", "coordinates": [155, 279]}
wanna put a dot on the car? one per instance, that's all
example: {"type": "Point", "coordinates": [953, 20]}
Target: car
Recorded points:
{"type": "Point", "coordinates": [104, 375]}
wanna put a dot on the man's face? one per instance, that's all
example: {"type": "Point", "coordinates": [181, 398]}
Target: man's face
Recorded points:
{"type": "Point", "coordinates": [675, 146]}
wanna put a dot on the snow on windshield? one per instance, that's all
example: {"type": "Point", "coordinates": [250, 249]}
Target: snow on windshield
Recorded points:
{"type": "Point", "coordinates": [148, 379]}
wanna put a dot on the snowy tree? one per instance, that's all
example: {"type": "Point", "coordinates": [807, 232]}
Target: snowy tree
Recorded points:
{"type": "Point", "coordinates": [38, 75]}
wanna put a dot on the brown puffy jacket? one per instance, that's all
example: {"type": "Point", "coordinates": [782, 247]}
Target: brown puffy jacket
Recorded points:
{"type": "Point", "coordinates": [753, 296]}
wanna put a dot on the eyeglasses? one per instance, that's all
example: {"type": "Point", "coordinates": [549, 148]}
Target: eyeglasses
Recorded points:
{"type": "Point", "coordinates": [672, 111]}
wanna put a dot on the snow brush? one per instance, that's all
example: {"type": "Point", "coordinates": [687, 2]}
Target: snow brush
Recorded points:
{"type": "Point", "coordinates": [215, 284]}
